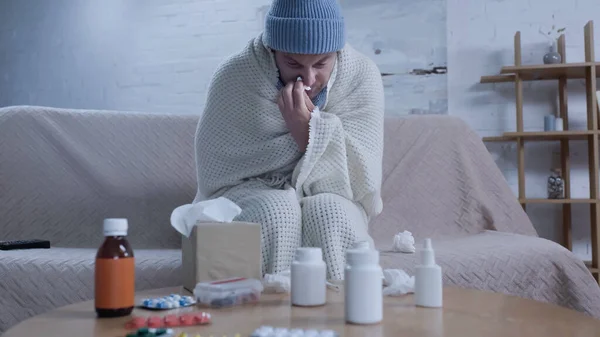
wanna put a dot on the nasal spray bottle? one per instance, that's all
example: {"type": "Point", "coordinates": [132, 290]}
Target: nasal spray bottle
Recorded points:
{"type": "Point", "coordinates": [428, 279]}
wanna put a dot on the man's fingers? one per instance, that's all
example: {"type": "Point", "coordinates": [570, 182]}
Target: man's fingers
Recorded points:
{"type": "Point", "coordinates": [280, 102]}
{"type": "Point", "coordinates": [309, 104]}
{"type": "Point", "coordinates": [298, 94]}
{"type": "Point", "coordinates": [286, 94]}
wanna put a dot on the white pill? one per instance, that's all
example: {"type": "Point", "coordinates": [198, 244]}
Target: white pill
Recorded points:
{"type": "Point", "coordinates": [261, 334]}
{"type": "Point", "coordinates": [296, 333]}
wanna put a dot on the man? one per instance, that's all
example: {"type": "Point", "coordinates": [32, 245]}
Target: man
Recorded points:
{"type": "Point", "coordinates": [292, 132]}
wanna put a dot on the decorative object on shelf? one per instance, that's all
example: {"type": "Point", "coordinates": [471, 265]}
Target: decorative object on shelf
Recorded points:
{"type": "Point", "coordinates": [558, 124]}
{"type": "Point", "coordinates": [549, 123]}
{"type": "Point", "coordinates": [552, 56]}
{"type": "Point", "coordinates": [556, 185]}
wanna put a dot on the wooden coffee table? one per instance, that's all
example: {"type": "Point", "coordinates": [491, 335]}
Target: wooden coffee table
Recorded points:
{"type": "Point", "coordinates": [465, 313]}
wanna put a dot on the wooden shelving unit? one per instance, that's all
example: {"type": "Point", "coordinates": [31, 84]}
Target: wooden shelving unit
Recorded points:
{"type": "Point", "coordinates": [588, 70]}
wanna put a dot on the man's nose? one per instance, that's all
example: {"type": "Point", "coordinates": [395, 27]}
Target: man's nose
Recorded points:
{"type": "Point", "coordinates": [308, 77]}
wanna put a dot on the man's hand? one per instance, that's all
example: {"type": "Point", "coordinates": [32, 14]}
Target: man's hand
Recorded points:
{"type": "Point", "coordinates": [295, 107]}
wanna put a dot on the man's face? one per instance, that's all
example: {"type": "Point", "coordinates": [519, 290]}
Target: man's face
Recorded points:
{"type": "Point", "coordinates": [315, 70]}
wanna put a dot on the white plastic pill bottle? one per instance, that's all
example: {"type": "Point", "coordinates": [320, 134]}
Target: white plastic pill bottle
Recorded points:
{"type": "Point", "coordinates": [308, 277]}
{"type": "Point", "coordinates": [363, 289]}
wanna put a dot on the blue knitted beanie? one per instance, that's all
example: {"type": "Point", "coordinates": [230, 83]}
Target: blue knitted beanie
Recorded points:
{"type": "Point", "coordinates": [305, 26]}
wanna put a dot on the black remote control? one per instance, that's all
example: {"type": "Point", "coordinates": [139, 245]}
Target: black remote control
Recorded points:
{"type": "Point", "coordinates": [24, 244]}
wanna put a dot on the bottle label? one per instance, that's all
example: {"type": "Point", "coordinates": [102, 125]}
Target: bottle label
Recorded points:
{"type": "Point", "coordinates": [114, 285]}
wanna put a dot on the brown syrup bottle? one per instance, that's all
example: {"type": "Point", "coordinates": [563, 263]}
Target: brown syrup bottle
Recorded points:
{"type": "Point", "coordinates": [114, 277]}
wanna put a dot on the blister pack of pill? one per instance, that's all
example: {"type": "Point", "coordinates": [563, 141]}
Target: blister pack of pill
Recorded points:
{"type": "Point", "coordinates": [169, 321]}
{"type": "Point", "coordinates": [167, 302]}
{"type": "Point", "coordinates": [269, 331]}
{"type": "Point", "coordinates": [151, 332]}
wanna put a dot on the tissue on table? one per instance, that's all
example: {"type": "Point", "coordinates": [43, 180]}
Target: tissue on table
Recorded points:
{"type": "Point", "coordinates": [214, 246]}
{"type": "Point", "coordinates": [277, 283]}
{"type": "Point", "coordinates": [397, 282]}
{"type": "Point", "coordinates": [282, 283]}
{"type": "Point", "coordinates": [404, 242]}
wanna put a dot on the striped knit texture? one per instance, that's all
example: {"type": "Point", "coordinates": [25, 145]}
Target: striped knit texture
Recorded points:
{"type": "Point", "coordinates": [305, 26]}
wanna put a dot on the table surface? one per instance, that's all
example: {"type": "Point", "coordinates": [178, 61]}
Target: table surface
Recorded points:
{"type": "Point", "coordinates": [465, 313]}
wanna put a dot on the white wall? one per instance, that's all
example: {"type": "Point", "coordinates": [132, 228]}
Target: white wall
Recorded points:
{"type": "Point", "coordinates": [158, 56]}
{"type": "Point", "coordinates": [480, 41]}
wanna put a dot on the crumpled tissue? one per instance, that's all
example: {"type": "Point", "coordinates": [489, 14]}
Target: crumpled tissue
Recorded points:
{"type": "Point", "coordinates": [221, 209]}
{"type": "Point", "coordinates": [404, 242]}
{"type": "Point", "coordinates": [397, 282]}
{"type": "Point", "coordinates": [277, 283]}
{"type": "Point", "coordinates": [282, 283]}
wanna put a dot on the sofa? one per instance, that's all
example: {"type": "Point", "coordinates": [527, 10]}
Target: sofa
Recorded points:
{"type": "Point", "coordinates": [62, 171]}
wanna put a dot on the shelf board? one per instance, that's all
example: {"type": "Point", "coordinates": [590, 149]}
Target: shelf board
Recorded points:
{"type": "Point", "coordinates": [556, 201]}
{"type": "Point", "coordinates": [498, 139]}
{"type": "Point", "coordinates": [497, 78]}
{"type": "Point", "coordinates": [551, 135]}
{"type": "Point", "coordinates": [551, 71]}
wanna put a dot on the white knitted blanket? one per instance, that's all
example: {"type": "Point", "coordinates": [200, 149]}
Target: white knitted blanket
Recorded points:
{"type": "Point", "coordinates": [242, 134]}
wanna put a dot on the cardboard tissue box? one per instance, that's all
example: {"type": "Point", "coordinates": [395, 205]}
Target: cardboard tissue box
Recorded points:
{"type": "Point", "coordinates": [213, 245]}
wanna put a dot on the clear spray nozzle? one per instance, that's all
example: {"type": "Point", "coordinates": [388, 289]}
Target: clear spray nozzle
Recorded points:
{"type": "Point", "coordinates": [427, 254]}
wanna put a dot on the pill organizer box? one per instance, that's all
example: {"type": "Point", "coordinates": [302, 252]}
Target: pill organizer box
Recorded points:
{"type": "Point", "coordinates": [227, 292]}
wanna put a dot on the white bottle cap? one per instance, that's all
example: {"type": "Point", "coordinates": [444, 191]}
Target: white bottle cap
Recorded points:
{"type": "Point", "coordinates": [356, 257]}
{"type": "Point", "coordinates": [309, 254]}
{"type": "Point", "coordinates": [115, 227]}
{"type": "Point", "coordinates": [361, 245]}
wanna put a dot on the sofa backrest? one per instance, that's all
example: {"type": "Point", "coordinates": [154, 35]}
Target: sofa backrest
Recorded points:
{"type": "Point", "coordinates": [63, 171]}
{"type": "Point", "coordinates": [439, 180]}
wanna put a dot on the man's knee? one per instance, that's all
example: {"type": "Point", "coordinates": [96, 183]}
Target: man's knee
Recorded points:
{"type": "Point", "coordinates": [271, 208]}
{"type": "Point", "coordinates": [331, 208]}
{"type": "Point", "coordinates": [335, 213]}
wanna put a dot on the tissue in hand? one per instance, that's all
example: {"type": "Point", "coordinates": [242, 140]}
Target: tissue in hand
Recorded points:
{"type": "Point", "coordinates": [221, 209]}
